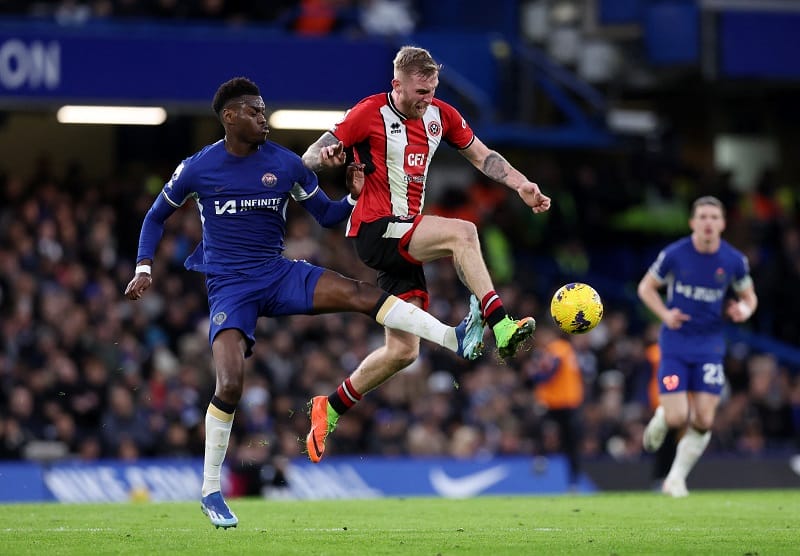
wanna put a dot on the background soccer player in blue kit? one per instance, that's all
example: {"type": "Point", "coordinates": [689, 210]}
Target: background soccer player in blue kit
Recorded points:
{"type": "Point", "coordinates": [698, 271]}
{"type": "Point", "coordinates": [241, 185]}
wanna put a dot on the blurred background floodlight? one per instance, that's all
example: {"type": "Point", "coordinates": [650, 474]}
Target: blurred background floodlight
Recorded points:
{"type": "Point", "coordinates": [315, 120]}
{"type": "Point", "coordinates": [636, 122]}
{"type": "Point", "coordinates": [123, 115]}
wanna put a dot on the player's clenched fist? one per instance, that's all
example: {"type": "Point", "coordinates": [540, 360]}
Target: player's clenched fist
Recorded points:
{"type": "Point", "coordinates": [138, 285]}
{"type": "Point", "coordinates": [531, 195]}
{"type": "Point", "coordinates": [355, 179]}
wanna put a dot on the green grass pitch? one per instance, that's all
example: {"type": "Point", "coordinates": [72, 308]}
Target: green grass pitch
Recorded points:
{"type": "Point", "coordinates": [707, 522]}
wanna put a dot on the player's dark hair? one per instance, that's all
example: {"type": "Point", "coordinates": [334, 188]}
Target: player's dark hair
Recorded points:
{"type": "Point", "coordinates": [708, 200]}
{"type": "Point", "coordinates": [234, 88]}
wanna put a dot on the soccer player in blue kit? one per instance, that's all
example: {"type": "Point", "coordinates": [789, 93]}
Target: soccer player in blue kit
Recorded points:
{"type": "Point", "coordinates": [698, 271]}
{"type": "Point", "coordinates": [241, 185]}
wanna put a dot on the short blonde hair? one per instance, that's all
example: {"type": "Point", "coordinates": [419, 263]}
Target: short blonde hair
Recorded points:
{"type": "Point", "coordinates": [411, 60]}
{"type": "Point", "coordinates": [706, 201]}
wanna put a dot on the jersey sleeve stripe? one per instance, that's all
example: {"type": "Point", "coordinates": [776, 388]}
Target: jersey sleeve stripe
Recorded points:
{"type": "Point", "coordinates": [468, 145]}
{"type": "Point", "coordinates": [170, 201]}
{"type": "Point", "coordinates": [299, 194]}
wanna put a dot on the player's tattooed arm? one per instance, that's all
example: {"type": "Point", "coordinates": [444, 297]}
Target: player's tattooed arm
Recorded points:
{"type": "Point", "coordinates": [325, 152]}
{"type": "Point", "coordinates": [492, 164]}
{"type": "Point", "coordinates": [496, 167]}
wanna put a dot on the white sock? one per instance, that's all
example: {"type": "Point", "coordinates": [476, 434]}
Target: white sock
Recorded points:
{"type": "Point", "coordinates": [658, 420]}
{"type": "Point", "coordinates": [218, 432]}
{"type": "Point", "coordinates": [401, 315]}
{"type": "Point", "coordinates": [689, 450]}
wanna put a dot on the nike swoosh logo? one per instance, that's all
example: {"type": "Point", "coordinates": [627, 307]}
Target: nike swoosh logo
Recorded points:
{"type": "Point", "coordinates": [314, 444]}
{"type": "Point", "coordinates": [469, 485]}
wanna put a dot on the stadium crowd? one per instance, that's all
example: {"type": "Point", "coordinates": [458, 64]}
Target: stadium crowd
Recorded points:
{"type": "Point", "coordinates": [86, 374]}
{"type": "Point", "coordinates": [304, 17]}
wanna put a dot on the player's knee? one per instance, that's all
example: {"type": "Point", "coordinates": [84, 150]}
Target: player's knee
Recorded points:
{"type": "Point", "coordinates": [676, 419]}
{"type": "Point", "coordinates": [404, 361]}
{"type": "Point", "coordinates": [403, 355]}
{"type": "Point", "coordinates": [364, 297]}
{"type": "Point", "coordinates": [459, 234]}
{"type": "Point", "coordinates": [702, 423]}
{"type": "Point", "coordinates": [229, 386]}
{"type": "Point", "coordinates": [467, 233]}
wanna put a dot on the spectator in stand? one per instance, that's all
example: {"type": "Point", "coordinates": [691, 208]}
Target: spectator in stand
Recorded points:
{"type": "Point", "coordinates": [319, 17]}
{"type": "Point", "coordinates": [126, 427]}
{"type": "Point", "coordinates": [557, 381]}
{"type": "Point", "coordinates": [386, 17]}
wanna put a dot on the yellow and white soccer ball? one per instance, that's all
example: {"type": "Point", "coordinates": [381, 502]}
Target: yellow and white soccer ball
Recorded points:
{"type": "Point", "coordinates": [576, 308]}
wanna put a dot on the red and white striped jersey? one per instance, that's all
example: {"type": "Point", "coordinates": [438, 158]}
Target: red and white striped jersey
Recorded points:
{"type": "Point", "coordinates": [396, 152]}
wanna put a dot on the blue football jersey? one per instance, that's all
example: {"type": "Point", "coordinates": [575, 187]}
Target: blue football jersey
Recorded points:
{"type": "Point", "coordinates": [697, 284]}
{"type": "Point", "coordinates": [242, 203]}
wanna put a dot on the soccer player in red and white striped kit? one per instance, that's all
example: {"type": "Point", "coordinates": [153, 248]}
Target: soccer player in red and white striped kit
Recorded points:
{"type": "Point", "coordinates": [395, 134]}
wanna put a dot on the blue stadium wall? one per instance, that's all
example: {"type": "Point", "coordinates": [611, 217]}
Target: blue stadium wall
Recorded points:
{"type": "Point", "coordinates": [43, 62]}
{"type": "Point", "coordinates": [163, 480]}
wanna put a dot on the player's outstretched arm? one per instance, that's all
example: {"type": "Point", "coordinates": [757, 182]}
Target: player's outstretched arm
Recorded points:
{"type": "Point", "coordinates": [150, 235]}
{"type": "Point", "coordinates": [325, 152]}
{"type": "Point", "coordinates": [494, 166]}
{"type": "Point", "coordinates": [141, 280]}
{"type": "Point", "coordinates": [330, 213]}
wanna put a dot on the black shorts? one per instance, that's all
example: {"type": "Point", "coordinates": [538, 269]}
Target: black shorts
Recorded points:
{"type": "Point", "coordinates": [383, 245]}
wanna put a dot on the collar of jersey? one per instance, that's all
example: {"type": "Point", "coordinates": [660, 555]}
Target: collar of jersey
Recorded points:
{"type": "Point", "coordinates": [394, 108]}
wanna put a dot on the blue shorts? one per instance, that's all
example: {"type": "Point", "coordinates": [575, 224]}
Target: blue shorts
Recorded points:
{"type": "Point", "coordinates": [285, 287]}
{"type": "Point", "coordinates": [691, 373]}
